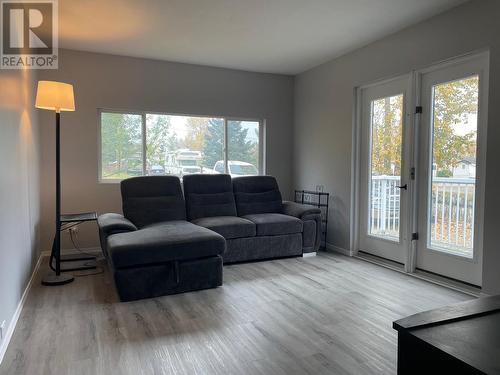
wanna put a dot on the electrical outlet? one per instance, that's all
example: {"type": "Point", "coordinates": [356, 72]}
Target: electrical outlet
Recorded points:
{"type": "Point", "coordinates": [2, 327]}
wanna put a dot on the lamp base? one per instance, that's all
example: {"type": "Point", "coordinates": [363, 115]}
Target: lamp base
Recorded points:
{"type": "Point", "coordinates": [52, 279]}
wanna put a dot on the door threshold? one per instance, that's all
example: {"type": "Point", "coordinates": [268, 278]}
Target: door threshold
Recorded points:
{"type": "Point", "coordinates": [422, 275]}
{"type": "Point", "coordinates": [387, 263]}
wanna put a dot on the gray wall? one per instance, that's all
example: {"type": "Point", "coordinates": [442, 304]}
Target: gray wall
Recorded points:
{"type": "Point", "coordinates": [107, 81]}
{"type": "Point", "coordinates": [19, 187]}
{"type": "Point", "coordinates": [324, 111]}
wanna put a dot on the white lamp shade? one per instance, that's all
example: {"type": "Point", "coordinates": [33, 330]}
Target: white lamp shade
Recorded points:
{"type": "Point", "coordinates": [56, 96]}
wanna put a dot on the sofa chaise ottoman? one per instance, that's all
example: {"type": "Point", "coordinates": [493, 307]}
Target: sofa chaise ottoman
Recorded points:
{"type": "Point", "coordinates": [152, 250]}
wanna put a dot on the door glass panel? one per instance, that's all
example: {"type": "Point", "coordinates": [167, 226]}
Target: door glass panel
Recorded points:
{"type": "Point", "coordinates": [386, 124]}
{"type": "Point", "coordinates": [453, 170]}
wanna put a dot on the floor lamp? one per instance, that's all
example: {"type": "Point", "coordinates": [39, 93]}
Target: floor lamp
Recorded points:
{"type": "Point", "coordinates": [58, 97]}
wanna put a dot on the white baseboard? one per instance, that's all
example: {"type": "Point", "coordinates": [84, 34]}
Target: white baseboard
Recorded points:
{"type": "Point", "coordinates": [308, 255]}
{"type": "Point", "coordinates": [13, 322]}
{"type": "Point", "coordinates": [337, 249]}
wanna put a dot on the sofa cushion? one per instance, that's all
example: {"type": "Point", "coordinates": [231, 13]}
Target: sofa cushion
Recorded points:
{"type": "Point", "coordinates": [275, 224]}
{"type": "Point", "coordinates": [228, 226]}
{"type": "Point", "coordinates": [257, 195]}
{"type": "Point", "coordinates": [164, 242]}
{"type": "Point", "coordinates": [152, 199]}
{"type": "Point", "coordinates": [209, 195]}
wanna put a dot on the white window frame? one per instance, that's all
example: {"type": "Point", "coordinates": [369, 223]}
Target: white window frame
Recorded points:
{"type": "Point", "coordinates": [100, 111]}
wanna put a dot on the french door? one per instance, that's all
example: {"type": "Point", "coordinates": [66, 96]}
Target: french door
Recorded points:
{"type": "Point", "coordinates": [451, 159]}
{"type": "Point", "coordinates": [421, 169]}
{"type": "Point", "coordinates": [383, 178]}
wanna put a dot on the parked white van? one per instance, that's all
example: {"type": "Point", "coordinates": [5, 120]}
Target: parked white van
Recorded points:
{"type": "Point", "coordinates": [236, 168]}
{"type": "Point", "coordinates": [182, 162]}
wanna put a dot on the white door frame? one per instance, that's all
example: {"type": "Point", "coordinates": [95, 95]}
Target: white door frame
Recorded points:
{"type": "Point", "coordinates": [413, 125]}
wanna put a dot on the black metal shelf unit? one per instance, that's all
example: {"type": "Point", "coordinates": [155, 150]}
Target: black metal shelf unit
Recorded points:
{"type": "Point", "coordinates": [317, 199]}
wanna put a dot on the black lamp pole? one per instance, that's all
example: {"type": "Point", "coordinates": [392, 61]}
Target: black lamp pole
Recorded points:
{"type": "Point", "coordinates": [57, 278]}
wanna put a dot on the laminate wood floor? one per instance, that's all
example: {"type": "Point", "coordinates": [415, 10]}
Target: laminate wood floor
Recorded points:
{"type": "Point", "coordinates": [328, 314]}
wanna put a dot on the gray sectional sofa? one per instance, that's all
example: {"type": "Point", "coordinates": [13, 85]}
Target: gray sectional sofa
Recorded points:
{"type": "Point", "coordinates": [168, 242]}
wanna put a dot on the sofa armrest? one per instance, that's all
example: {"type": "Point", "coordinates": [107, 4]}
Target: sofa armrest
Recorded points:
{"type": "Point", "coordinates": [299, 210]}
{"type": "Point", "coordinates": [310, 216]}
{"type": "Point", "coordinates": [114, 223]}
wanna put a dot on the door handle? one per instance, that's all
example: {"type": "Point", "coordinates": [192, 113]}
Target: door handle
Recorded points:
{"type": "Point", "coordinates": [405, 187]}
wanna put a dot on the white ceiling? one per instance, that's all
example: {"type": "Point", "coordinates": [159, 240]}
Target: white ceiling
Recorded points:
{"type": "Point", "coordinates": [275, 36]}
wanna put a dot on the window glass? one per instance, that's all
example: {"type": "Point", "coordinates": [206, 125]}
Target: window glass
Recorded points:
{"type": "Point", "coordinates": [385, 167]}
{"type": "Point", "coordinates": [181, 145]}
{"type": "Point", "coordinates": [219, 167]}
{"type": "Point", "coordinates": [243, 148]}
{"type": "Point", "coordinates": [453, 173]}
{"type": "Point", "coordinates": [121, 145]}
{"type": "Point", "coordinates": [176, 145]}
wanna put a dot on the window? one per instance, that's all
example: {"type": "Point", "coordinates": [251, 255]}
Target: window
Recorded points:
{"type": "Point", "coordinates": [243, 147]}
{"type": "Point", "coordinates": [452, 196]}
{"type": "Point", "coordinates": [121, 145]}
{"type": "Point", "coordinates": [386, 122]}
{"type": "Point", "coordinates": [139, 144]}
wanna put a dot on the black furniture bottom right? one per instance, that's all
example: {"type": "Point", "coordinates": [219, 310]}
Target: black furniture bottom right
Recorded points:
{"type": "Point", "coordinates": [458, 339]}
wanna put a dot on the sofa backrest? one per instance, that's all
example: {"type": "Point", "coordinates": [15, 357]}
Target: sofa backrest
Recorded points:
{"type": "Point", "coordinates": [208, 195]}
{"type": "Point", "coordinates": [152, 199]}
{"type": "Point", "coordinates": [257, 195]}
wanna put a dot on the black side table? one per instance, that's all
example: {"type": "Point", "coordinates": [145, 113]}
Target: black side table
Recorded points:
{"type": "Point", "coordinates": [318, 199]}
{"type": "Point", "coordinates": [67, 222]}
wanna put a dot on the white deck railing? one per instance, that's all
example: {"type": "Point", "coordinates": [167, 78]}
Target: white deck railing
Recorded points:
{"type": "Point", "coordinates": [451, 219]}
{"type": "Point", "coordinates": [384, 210]}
